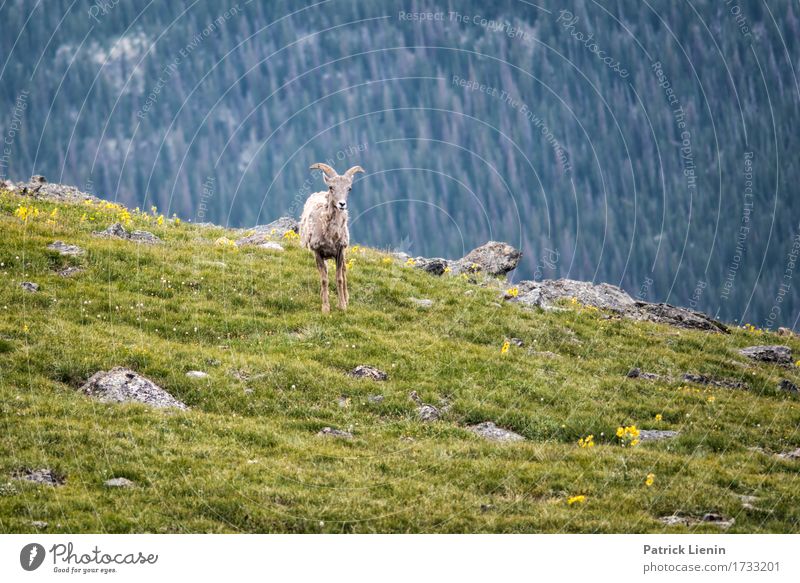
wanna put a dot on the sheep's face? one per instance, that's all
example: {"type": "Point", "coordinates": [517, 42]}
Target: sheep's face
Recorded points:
{"type": "Point", "coordinates": [338, 189]}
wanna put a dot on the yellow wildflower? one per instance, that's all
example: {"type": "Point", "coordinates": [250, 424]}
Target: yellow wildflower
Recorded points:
{"type": "Point", "coordinates": [447, 269]}
{"type": "Point", "coordinates": [506, 346]}
{"type": "Point", "coordinates": [587, 441]}
{"type": "Point", "coordinates": [650, 479]}
{"type": "Point", "coordinates": [658, 417]}
{"type": "Point", "coordinates": [356, 248]}
{"type": "Point", "coordinates": [225, 242]}
{"type": "Point", "coordinates": [386, 260]}
{"type": "Point", "coordinates": [576, 500]}
{"type": "Point", "coordinates": [629, 435]}
{"type": "Point", "coordinates": [711, 399]}
{"type": "Point", "coordinates": [291, 235]}
{"type": "Point", "coordinates": [160, 220]}
{"type": "Point", "coordinates": [410, 262]}
{"type": "Point", "coordinates": [512, 292]}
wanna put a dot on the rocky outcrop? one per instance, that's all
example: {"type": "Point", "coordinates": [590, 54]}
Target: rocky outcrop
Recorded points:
{"type": "Point", "coordinates": [117, 231]}
{"type": "Point", "coordinates": [38, 187]}
{"type": "Point", "coordinates": [122, 385]}
{"type": "Point", "coordinates": [772, 354]}
{"type": "Point", "coordinates": [262, 234]}
{"type": "Point", "coordinates": [548, 293]}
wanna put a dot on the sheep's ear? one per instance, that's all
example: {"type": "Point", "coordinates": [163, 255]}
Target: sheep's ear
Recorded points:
{"type": "Point", "coordinates": [353, 170]}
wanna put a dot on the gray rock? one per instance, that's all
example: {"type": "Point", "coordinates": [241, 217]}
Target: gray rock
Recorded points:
{"type": "Point", "coordinates": [637, 373]}
{"type": "Point", "coordinates": [264, 233]}
{"type": "Point", "coordinates": [421, 302]}
{"type": "Point", "coordinates": [687, 520]}
{"type": "Point", "coordinates": [197, 374]}
{"type": "Point", "coordinates": [122, 385]}
{"type": "Point", "coordinates": [331, 432]}
{"type": "Point", "coordinates": [492, 432]}
{"type": "Point", "coordinates": [69, 271]}
{"type": "Point", "coordinates": [117, 231]}
{"type": "Point", "coordinates": [546, 295]}
{"type": "Point", "coordinates": [714, 382]}
{"type": "Point", "coordinates": [118, 483]}
{"type": "Point", "coordinates": [29, 286]}
{"type": "Point", "coordinates": [433, 265]}
{"type": "Point", "coordinates": [656, 434]}
{"type": "Point", "coordinates": [376, 399]}
{"type": "Point", "coordinates": [788, 386]}
{"type": "Point", "coordinates": [40, 476]}
{"type": "Point", "coordinates": [66, 249]}
{"type": "Point", "coordinates": [493, 258]}
{"type": "Point", "coordinates": [425, 412]}
{"type": "Point", "coordinates": [363, 371]}
{"type": "Point", "coordinates": [680, 317]}
{"type": "Point", "coordinates": [775, 354]}
{"type": "Point", "coordinates": [38, 187]}
{"type": "Point", "coordinates": [39, 524]}
{"type": "Point", "coordinates": [517, 342]}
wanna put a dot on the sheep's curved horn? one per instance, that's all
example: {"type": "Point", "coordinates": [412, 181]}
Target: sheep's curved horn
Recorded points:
{"type": "Point", "coordinates": [353, 170]}
{"type": "Point", "coordinates": [325, 168]}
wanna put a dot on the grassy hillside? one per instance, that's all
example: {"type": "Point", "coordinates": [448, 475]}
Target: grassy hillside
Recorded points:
{"type": "Point", "coordinates": [247, 457]}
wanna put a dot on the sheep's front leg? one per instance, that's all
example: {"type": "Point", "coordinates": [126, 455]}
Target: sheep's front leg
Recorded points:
{"type": "Point", "coordinates": [341, 279]}
{"type": "Point", "coordinates": [323, 277]}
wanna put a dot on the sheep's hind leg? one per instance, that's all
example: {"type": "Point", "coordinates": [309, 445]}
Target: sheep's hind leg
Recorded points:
{"type": "Point", "coordinates": [341, 281]}
{"type": "Point", "coordinates": [323, 277]}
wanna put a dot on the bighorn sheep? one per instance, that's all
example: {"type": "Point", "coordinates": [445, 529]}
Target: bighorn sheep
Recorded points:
{"type": "Point", "coordinates": [323, 229]}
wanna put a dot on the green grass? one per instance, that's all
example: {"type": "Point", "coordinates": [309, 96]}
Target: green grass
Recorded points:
{"type": "Point", "coordinates": [246, 457]}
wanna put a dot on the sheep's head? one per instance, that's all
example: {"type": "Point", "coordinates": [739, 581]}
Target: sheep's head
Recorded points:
{"type": "Point", "coordinates": [339, 186]}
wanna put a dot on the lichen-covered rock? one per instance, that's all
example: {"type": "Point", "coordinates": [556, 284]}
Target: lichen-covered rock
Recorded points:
{"type": "Point", "coordinates": [493, 258]}
{"type": "Point", "coordinates": [492, 432]}
{"type": "Point", "coordinates": [122, 385]}
{"type": "Point", "coordinates": [117, 231]}
{"type": "Point", "coordinates": [364, 371]}
{"type": "Point", "coordinates": [548, 293]}
{"type": "Point", "coordinates": [40, 476]}
{"type": "Point", "coordinates": [714, 382]}
{"type": "Point", "coordinates": [775, 354]}
{"type": "Point", "coordinates": [66, 249]}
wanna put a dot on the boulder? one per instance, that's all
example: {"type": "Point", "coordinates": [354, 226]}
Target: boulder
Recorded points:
{"type": "Point", "coordinates": [774, 354]}
{"type": "Point", "coordinates": [117, 231]}
{"type": "Point", "coordinates": [680, 317]}
{"type": "Point", "coordinates": [492, 432]}
{"type": "Point", "coordinates": [69, 271]}
{"type": "Point", "coordinates": [363, 371]}
{"type": "Point", "coordinates": [493, 258]}
{"type": "Point", "coordinates": [122, 385]}
{"type": "Point", "coordinates": [66, 249]}
{"type": "Point", "coordinates": [434, 265]}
